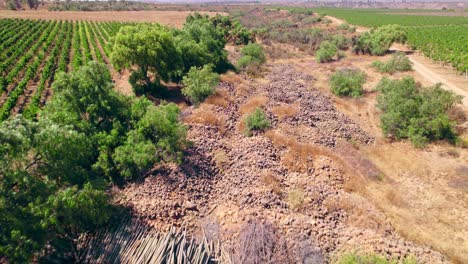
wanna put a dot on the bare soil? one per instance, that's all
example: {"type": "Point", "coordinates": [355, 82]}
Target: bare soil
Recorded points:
{"type": "Point", "coordinates": [169, 18]}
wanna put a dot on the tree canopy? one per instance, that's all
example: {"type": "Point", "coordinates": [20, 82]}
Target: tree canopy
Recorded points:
{"type": "Point", "coordinates": [149, 47]}
{"type": "Point", "coordinates": [54, 171]}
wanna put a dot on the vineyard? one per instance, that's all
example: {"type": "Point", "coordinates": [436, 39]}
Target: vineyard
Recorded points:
{"type": "Point", "coordinates": [441, 38]}
{"type": "Point", "coordinates": [447, 44]}
{"type": "Point", "coordinates": [32, 52]}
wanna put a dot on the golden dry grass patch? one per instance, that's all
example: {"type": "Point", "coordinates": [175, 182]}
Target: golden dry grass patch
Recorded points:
{"type": "Point", "coordinates": [253, 103]}
{"type": "Point", "coordinates": [285, 110]}
{"type": "Point", "coordinates": [271, 181]}
{"type": "Point", "coordinates": [220, 98]}
{"type": "Point", "coordinates": [205, 114]}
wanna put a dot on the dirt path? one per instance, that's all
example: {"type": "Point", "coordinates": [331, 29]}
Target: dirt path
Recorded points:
{"type": "Point", "coordinates": [433, 74]}
{"type": "Point", "coordinates": [434, 77]}
{"type": "Point", "coordinates": [338, 21]}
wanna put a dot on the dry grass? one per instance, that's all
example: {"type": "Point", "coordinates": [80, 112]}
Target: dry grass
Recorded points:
{"type": "Point", "coordinates": [220, 98]}
{"type": "Point", "coordinates": [169, 18]}
{"type": "Point", "coordinates": [231, 77]}
{"type": "Point", "coordinates": [271, 182]}
{"type": "Point", "coordinates": [296, 199]}
{"type": "Point", "coordinates": [298, 158]}
{"type": "Point", "coordinates": [253, 103]}
{"type": "Point", "coordinates": [206, 115]}
{"type": "Point", "coordinates": [285, 110]}
{"type": "Point", "coordinates": [220, 158]}
{"type": "Point", "coordinates": [243, 90]}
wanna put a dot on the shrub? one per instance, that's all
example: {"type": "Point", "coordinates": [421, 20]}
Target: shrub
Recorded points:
{"type": "Point", "coordinates": [398, 62]}
{"type": "Point", "coordinates": [326, 52]}
{"type": "Point", "coordinates": [199, 83]}
{"type": "Point", "coordinates": [252, 53]}
{"type": "Point", "coordinates": [257, 121]}
{"type": "Point", "coordinates": [378, 40]}
{"type": "Point", "coordinates": [347, 82]}
{"type": "Point", "coordinates": [417, 113]}
{"type": "Point", "coordinates": [340, 41]}
{"type": "Point", "coordinates": [344, 26]}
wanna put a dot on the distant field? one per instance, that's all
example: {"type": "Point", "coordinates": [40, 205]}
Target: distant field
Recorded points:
{"type": "Point", "coordinates": [170, 18]}
{"type": "Point", "coordinates": [442, 38]}
{"type": "Point", "coordinates": [380, 17]}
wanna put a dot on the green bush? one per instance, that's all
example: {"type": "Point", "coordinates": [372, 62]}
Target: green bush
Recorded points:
{"type": "Point", "coordinates": [326, 52]}
{"type": "Point", "coordinates": [416, 113]}
{"type": "Point", "coordinates": [256, 121]}
{"type": "Point", "coordinates": [344, 26]}
{"type": "Point", "coordinates": [347, 82]}
{"type": "Point", "coordinates": [377, 41]}
{"type": "Point", "coordinates": [340, 41]}
{"type": "Point", "coordinates": [199, 83]}
{"type": "Point", "coordinates": [398, 62]}
{"type": "Point", "coordinates": [252, 53]}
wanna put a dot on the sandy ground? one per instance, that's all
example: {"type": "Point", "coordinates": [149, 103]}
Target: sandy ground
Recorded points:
{"type": "Point", "coordinates": [170, 18]}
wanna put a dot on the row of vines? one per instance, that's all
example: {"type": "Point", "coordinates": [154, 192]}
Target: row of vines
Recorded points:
{"type": "Point", "coordinates": [32, 52]}
{"type": "Point", "coordinates": [441, 38]}
{"type": "Point", "coordinates": [447, 44]}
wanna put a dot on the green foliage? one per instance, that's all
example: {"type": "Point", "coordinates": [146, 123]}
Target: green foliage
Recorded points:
{"type": "Point", "coordinates": [326, 52]}
{"type": "Point", "coordinates": [54, 170]}
{"type": "Point", "coordinates": [373, 17]}
{"type": "Point", "coordinates": [398, 62]}
{"type": "Point", "coordinates": [419, 114]}
{"type": "Point", "coordinates": [377, 41]}
{"type": "Point", "coordinates": [256, 121]}
{"type": "Point", "coordinates": [199, 43]}
{"type": "Point", "coordinates": [446, 44]}
{"type": "Point", "coordinates": [252, 53]}
{"type": "Point", "coordinates": [232, 29]}
{"type": "Point", "coordinates": [340, 41]}
{"type": "Point", "coordinates": [344, 26]}
{"type": "Point", "coordinates": [347, 82]}
{"type": "Point", "coordinates": [199, 84]}
{"type": "Point", "coordinates": [149, 47]}
{"type": "Point", "coordinates": [42, 196]}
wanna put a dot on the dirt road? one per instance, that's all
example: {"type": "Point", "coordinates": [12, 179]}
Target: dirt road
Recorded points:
{"type": "Point", "coordinates": [434, 77]}
{"type": "Point", "coordinates": [450, 81]}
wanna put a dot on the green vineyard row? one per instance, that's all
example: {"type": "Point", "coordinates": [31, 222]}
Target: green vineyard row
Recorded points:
{"type": "Point", "coordinates": [442, 38]}
{"type": "Point", "coordinates": [32, 52]}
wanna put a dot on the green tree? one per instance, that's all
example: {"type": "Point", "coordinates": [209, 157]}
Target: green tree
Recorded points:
{"type": "Point", "coordinates": [149, 48]}
{"type": "Point", "coordinates": [200, 43]}
{"type": "Point", "coordinates": [38, 166]}
{"type": "Point", "coordinates": [199, 83]}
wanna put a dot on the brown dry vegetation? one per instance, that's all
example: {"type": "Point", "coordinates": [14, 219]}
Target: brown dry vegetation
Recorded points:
{"type": "Point", "coordinates": [169, 18]}
{"type": "Point", "coordinates": [206, 115]}
{"type": "Point", "coordinates": [285, 110]}
{"type": "Point", "coordinates": [220, 98]}
{"type": "Point", "coordinates": [253, 103]}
